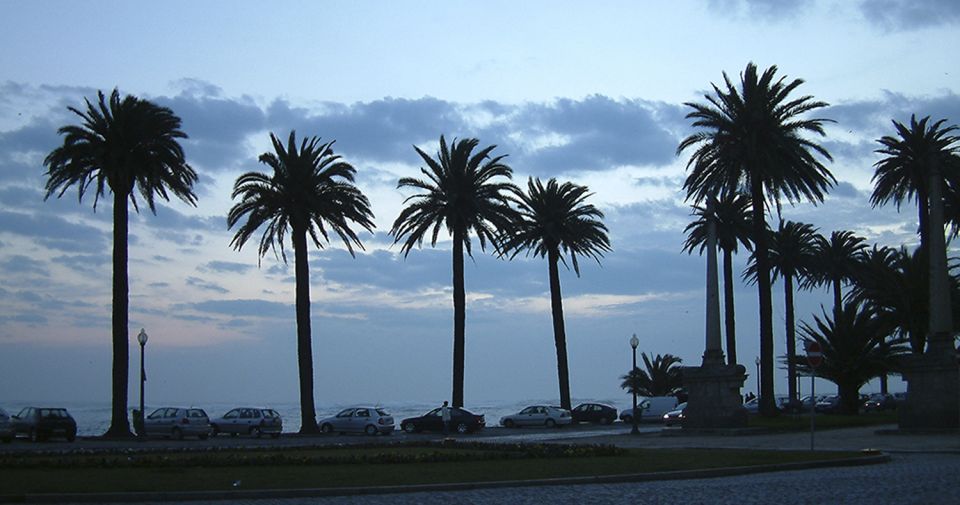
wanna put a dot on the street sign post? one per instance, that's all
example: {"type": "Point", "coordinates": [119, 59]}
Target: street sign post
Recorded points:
{"type": "Point", "coordinates": [815, 359]}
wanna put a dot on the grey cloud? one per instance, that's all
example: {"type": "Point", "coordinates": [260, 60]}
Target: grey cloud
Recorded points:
{"type": "Point", "coordinates": [159, 285]}
{"type": "Point", "coordinates": [227, 266]}
{"type": "Point", "coordinates": [844, 189]}
{"type": "Point", "coordinates": [778, 10]}
{"type": "Point", "coordinates": [873, 117]}
{"type": "Point", "coordinates": [54, 232]}
{"type": "Point", "coordinates": [241, 308]}
{"type": "Point", "coordinates": [906, 15]}
{"type": "Point", "coordinates": [86, 263]}
{"type": "Point", "coordinates": [206, 285]}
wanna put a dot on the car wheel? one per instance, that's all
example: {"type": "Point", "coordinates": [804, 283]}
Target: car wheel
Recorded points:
{"type": "Point", "coordinates": [605, 420]}
{"type": "Point", "coordinates": [33, 435]}
{"type": "Point", "coordinates": [214, 430]}
{"type": "Point", "coordinates": [326, 428]}
{"type": "Point", "coordinates": [509, 423]}
{"type": "Point", "coordinates": [176, 434]}
{"type": "Point", "coordinates": [550, 423]}
{"type": "Point", "coordinates": [71, 436]}
{"type": "Point", "coordinates": [371, 430]}
{"type": "Point", "coordinates": [409, 428]}
{"type": "Point", "coordinates": [255, 432]}
{"type": "Point", "coordinates": [628, 419]}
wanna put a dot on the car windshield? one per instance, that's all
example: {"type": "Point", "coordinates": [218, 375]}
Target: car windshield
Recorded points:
{"type": "Point", "coordinates": [53, 413]}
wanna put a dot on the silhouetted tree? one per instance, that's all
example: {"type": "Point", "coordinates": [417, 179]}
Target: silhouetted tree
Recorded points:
{"type": "Point", "coordinates": [459, 193]}
{"type": "Point", "coordinates": [553, 221]}
{"type": "Point", "coordinates": [750, 140]}
{"type": "Point", "coordinates": [310, 192]}
{"type": "Point", "coordinates": [661, 377]}
{"type": "Point", "coordinates": [124, 144]}
{"type": "Point", "coordinates": [836, 261]}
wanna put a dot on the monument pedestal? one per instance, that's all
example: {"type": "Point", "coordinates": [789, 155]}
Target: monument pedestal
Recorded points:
{"type": "Point", "coordinates": [933, 387]}
{"type": "Point", "coordinates": [714, 400]}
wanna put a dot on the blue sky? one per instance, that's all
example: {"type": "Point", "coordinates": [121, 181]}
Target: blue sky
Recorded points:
{"type": "Point", "coordinates": [592, 94]}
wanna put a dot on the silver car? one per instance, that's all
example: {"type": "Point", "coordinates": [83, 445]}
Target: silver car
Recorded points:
{"type": "Point", "coordinates": [538, 415]}
{"type": "Point", "coordinates": [6, 427]}
{"type": "Point", "coordinates": [248, 421]}
{"type": "Point", "coordinates": [369, 420]}
{"type": "Point", "coordinates": [178, 422]}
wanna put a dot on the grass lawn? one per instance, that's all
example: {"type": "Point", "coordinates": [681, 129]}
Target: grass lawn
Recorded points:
{"type": "Point", "coordinates": [791, 422]}
{"type": "Point", "coordinates": [345, 467]}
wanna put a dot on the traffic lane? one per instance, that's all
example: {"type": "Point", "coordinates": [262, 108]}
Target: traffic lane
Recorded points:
{"type": "Point", "coordinates": [490, 434]}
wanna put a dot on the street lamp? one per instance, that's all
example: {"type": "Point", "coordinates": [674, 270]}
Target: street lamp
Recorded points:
{"type": "Point", "coordinates": [142, 338]}
{"type": "Point", "coordinates": [634, 342]}
{"type": "Point", "coordinates": [757, 362]}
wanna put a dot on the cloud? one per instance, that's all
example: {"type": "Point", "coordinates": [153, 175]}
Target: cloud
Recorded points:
{"type": "Point", "coordinates": [226, 266]}
{"type": "Point", "coordinates": [206, 285]}
{"type": "Point", "coordinates": [240, 308]}
{"type": "Point", "coordinates": [773, 10]}
{"type": "Point", "coordinates": [907, 15]}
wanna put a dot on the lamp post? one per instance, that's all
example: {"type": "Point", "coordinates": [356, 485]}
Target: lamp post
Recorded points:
{"type": "Point", "coordinates": [757, 362]}
{"type": "Point", "coordinates": [634, 342]}
{"type": "Point", "coordinates": [142, 338]}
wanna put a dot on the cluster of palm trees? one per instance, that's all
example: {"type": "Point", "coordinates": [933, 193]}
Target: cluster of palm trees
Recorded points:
{"type": "Point", "coordinates": [127, 145]}
{"type": "Point", "coordinates": [750, 153]}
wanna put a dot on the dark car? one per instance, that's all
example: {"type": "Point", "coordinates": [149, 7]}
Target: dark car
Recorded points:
{"type": "Point", "coordinates": [829, 405]}
{"type": "Point", "coordinates": [880, 402]}
{"type": "Point", "coordinates": [461, 421]}
{"type": "Point", "coordinates": [39, 424]}
{"type": "Point", "coordinates": [594, 413]}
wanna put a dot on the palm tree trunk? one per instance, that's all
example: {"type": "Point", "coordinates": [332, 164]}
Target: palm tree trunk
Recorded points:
{"type": "Point", "coordinates": [729, 313]}
{"type": "Point", "coordinates": [837, 298]}
{"type": "Point", "coordinates": [767, 404]}
{"type": "Point", "coordinates": [119, 423]}
{"type": "Point", "coordinates": [849, 398]}
{"type": "Point", "coordinates": [559, 333]}
{"type": "Point", "coordinates": [459, 317]}
{"type": "Point", "coordinates": [791, 336]}
{"type": "Point", "coordinates": [308, 414]}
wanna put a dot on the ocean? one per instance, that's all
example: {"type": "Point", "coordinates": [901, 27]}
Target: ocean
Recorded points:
{"type": "Point", "coordinates": [93, 418]}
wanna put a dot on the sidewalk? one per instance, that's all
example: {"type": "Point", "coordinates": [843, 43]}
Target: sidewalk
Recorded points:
{"type": "Point", "coordinates": [848, 439]}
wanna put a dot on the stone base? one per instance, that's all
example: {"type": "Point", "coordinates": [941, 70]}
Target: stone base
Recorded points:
{"type": "Point", "coordinates": [933, 386]}
{"type": "Point", "coordinates": [714, 399]}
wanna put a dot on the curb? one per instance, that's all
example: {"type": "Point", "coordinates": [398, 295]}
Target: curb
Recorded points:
{"type": "Point", "coordinates": [871, 459]}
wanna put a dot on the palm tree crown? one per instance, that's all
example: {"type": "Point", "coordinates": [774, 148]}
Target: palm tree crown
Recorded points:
{"type": "Point", "coordinates": [751, 140]}
{"type": "Point", "coordinates": [836, 262]}
{"type": "Point", "coordinates": [310, 192]}
{"type": "Point", "coordinates": [661, 377]}
{"type": "Point", "coordinates": [552, 221]}
{"type": "Point", "coordinates": [122, 145]}
{"type": "Point", "coordinates": [461, 193]}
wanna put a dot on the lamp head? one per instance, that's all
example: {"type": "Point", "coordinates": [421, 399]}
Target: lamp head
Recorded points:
{"type": "Point", "coordinates": [634, 341]}
{"type": "Point", "coordinates": [142, 337]}
{"type": "Point", "coordinates": [757, 361]}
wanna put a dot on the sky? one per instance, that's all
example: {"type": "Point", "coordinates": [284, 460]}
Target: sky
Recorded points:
{"type": "Point", "coordinates": [589, 93]}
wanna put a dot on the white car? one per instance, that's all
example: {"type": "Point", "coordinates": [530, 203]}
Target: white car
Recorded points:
{"type": "Point", "coordinates": [253, 421]}
{"type": "Point", "coordinates": [369, 420]}
{"type": "Point", "coordinates": [178, 422]}
{"type": "Point", "coordinates": [538, 415]}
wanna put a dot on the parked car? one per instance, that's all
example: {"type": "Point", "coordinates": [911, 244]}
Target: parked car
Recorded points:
{"type": "Point", "coordinates": [674, 416]}
{"type": "Point", "coordinates": [369, 420]}
{"type": "Point", "coordinates": [177, 423]}
{"type": "Point", "coordinates": [651, 408]}
{"type": "Point", "coordinates": [253, 421]}
{"type": "Point", "coordinates": [879, 402]}
{"type": "Point", "coordinates": [41, 423]}
{"type": "Point", "coordinates": [538, 415]}
{"type": "Point", "coordinates": [461, 421]}
{"type": "Point", "coordinates": [593, 413]}
{"type": "Point", "coordinates": [829, 405]}
{"type": "Point", "coordinates": [7, 432]}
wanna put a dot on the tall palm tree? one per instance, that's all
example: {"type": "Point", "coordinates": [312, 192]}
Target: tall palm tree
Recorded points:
{"type": "Point", "coordinates": [462, 193]}
{"type": "Point", "coordinates": [902, 175]}
{"type": "Point", "coordinates": [122, 144]}
{"type": "Point", "coordinates": [855, 349]}
{"type": "Point", "coordinates": [751, 140]}
{"type": "Point", "coordinates": [661, 377]}
{"type": "Point", "coordinates": [555, 220]}
{"type": "Point", "coordinates": [792, 256]}
{"type": "Point", "coordinates": [731, 213]}
{"type": "Point", "coordinates": [310, 192]}
{"type": "Point", "coordinates": [837, 260]}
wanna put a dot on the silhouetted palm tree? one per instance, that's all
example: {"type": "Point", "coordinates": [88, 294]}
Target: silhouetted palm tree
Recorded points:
{"type": "Point", "coordinates": [661, 377]}
{"type": "Point", "coordinates": [122, 145]}
{"type": "Point", "coordinates": [310, 192]}
{"type": "Point", "coordinates": [555, 221]}
{"type": "Point", "coordinates": [836, 262]}
{"type": "Point", "coordinates": [855, 349]}
{"type": "Point", "coordinates": [459, 193]}
{"type": "Point", "coordinates": [750, 140]}
{"type": "Point", "coordinates": [792, 256]}
{"type": "Point", "coordinates": [733, 220]}
{"type": "Point", "coordinates": [902, 175]}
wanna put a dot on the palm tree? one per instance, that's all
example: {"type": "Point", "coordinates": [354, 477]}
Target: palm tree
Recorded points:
{"type": "Point", "coordinates": [661, 377]}
{"type": "Point", "coordinates": [836, 263]}
{"type": "Point", "coordinates": [902, 175]}
{"type": "Point", "coordinates": [855, 349]}
{"type": "Point", "coordinates": [731, 213]}
{"type": "Point", "coordinates": [792, 255]}
{"type": "Point", "coordinates": [751, 140]}
{"type": "Point", "coordinates": [461, 193]}
{"type": "Point", "coordinates": [311, 191]}
{"type": "Point", "coordinates": [122, 145]}
{"type": "Point", "coordinates": [553, 221]}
